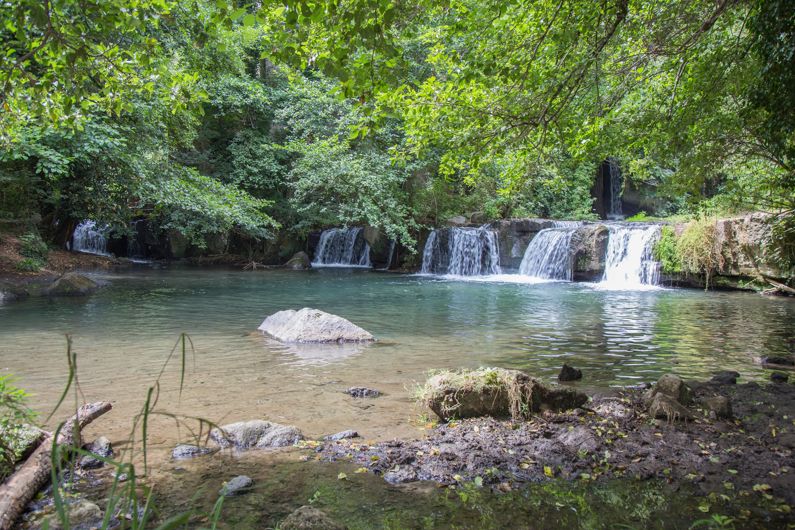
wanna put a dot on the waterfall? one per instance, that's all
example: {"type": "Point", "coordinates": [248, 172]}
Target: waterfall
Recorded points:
{"type": "Point", "coordinates": [548, 255]}
{"type": "Point", "coordinates": [342, 247]}
{"type": "Point", "coordinates": [90, 238]}
{"type": "Point", "coordinates": [391, 254]}
{"type": "Point", "coordinates": [614, 210]}
{"type": "Point", "coordinates": [629, 262]}
{"type": "Point", "coordinates": [461, 252]}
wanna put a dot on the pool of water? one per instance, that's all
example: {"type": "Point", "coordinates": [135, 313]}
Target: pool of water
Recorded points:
{"type": "Point", "coordinates": [123, 334]}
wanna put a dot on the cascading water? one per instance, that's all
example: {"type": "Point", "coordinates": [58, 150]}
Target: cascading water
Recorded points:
{"type": "Point", "coordinates": [461, 252]}
{"type": "Point", "coordinates": [90, 238]}
{"type": "Point", "coordinates": [390, 255]}
{"type": "Point", "coordinates": [548, 255]}
{"type": "Point", "coordinates": [629, 263]}
{"type": "Point", "coordinates": [614, 209]}
{"type": "Point", "coordinates": [342, 247]}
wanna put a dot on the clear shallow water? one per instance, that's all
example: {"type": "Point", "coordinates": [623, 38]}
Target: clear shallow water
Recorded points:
{"type": "Point", "coordinates": [123, 334]}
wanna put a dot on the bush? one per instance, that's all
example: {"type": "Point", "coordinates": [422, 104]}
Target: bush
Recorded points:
{"type": "Point", "coordinates": [666, 252]}
{"type": "Point", "coordinates": [698, 251]}
{"type": "Point", "coordinates": [33, 246]}
{"type": "Point", "coordinates": [14, 419]}
{"type": "Point", "coordinates": [29, 265]}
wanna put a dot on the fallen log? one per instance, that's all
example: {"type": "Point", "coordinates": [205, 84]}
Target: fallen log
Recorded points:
{"type": "Point", "coordinates": [22, 486]}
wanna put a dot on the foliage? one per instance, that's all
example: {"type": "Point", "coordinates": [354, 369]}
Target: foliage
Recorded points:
{"type": "Point", "coordinates": [698, 251]}
{"type": "Point", "coordinates": [15, 419]}
{"type": "Point", "coordinates": [31, 245]}
{"type": "Point", "coordinates": [29, 265]}
{"type": "Point", "coordinates": [666, 251]}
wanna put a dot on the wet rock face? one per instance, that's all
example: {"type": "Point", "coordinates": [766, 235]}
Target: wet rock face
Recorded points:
{"type": "Point", "coordinates": [185, 451]}
{"type": "Point", "coordinates": [309, 518]}
{"type": "Point", "coordinates": [494, 392]}
{"type": "Point", "coordinates": [237, 486]}
{"type": "Point", "coordinates": [256, 434]}
{"type": "Point", "coordinates": [312, 325]}
{"type": "Point", "coordinates": [299, 262]}
{"type": "Point", "coordinates": [589, 248]}
{"type": "Point", "coordinates": [72, 284]}
{"type": "Point", "coordinates": [514, 235]}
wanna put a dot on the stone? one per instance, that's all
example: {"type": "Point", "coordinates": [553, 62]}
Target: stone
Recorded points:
{"type": "Point", "coordinates": [720, 406]}
{"type": "Point", "coordinates": [26, 439]}
{"type": "Point", "coordinates": [614, 409]}
{"type": "Point", "coordinates": [236, 486]}
{"type": "Point", "coordinates": [82, 514]}
{"type": "Point", "coordinates": [362, 392]}
{"type": "Point", "coordinates": [458, 220]}
{"type": "Point", "coordinates": [299, 262]}
{"type": "Point", "coordinates": [779, 360]}
{"type": "Point", "coordinates": [100, 447]}
{"type": "Point", "coordinates": [725, 377]}
{"type": "Point", "coordinates": [185, 451]}
{"type": "Point", "coordinates": [579, 439]}
{"type": "Point", "coordinates": [672, 386]}
{"type": "Point", "coordinates": [569, 373]}
{"type": "Point", "coordinates": [665, 407]}
{"type": "Point", "coordinates": [309, 518]}
{"type": "Point", "coordinates": [588, 249]}
{"type": "Point", "coordinates": [342, 435]}
{"type": "Point", "coordinates": [494, 392]}
{"type": "Point", "coordinates": [256, 434]}
{"type": "Point", "coordinates": [312, 325]}
{"type": "Point", "coordinates": [71, 284]}
{"type": "Point", "coordinates": [779, 377]}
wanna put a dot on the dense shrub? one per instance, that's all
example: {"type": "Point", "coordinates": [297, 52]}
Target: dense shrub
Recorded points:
{"type": "Point", "coordinates": [698, 251]}
{"type": "Point", "coordinates": [666, 252]}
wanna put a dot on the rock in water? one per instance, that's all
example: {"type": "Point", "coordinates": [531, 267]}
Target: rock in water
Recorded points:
{"type": "Point", "coordinates": [312, 325]}
{"type": "Point", "coordinates": [494, 392]}
{"type": "Point", "coordinates": [237, 486]}
{"type": "Point", "coordinates": [309, 518]}
{"type": "Point", "coordinates": [362, 392]}
{"type": "Point", "coordinates": [779, 377]}
{"type": "Point", "coordinates": [259, 434]}
{"type": "Point", "coordinates": [569, 373]}
{"type": "Point", "coordinates": [184, 451]}
{"type": "Point", "coordinates": [726, 377]}
{"type": "Point", "coordinates": [72, 284]}
{"type": "Point", "coordinates": [299, 262]}
{"type": "Point", "coordinates": [100, 447]}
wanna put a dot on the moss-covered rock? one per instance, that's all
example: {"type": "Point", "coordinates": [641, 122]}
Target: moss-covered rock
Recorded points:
{"type": "Point", "coordinates": [71, 284]}
{"type": "Point", "coordinates": [494, 392]}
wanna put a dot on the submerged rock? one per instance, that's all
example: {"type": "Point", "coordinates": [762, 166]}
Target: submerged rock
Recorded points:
{"type": "Point", "coordinates": [71, 284]}
{"type": "Point", "coordinates": [312, 325]}
{"type": "Point", "coordinates": [237, 486]}
{"type": "Point", "coordinates": [779, 377]}
{"type": "Point", "coordinates": [362, 392]}
{"type": "Point", "coordinates": [299, 262]}
{"type": "Point", "coordinates": [494, 392]}
{"type": "Point", "coordinates": [569, 373]}
{"type": "Point", "coordinates": [185, 451]}
{"type": "Point", "coordinates": [100, 447]}
{"type": "Point", "coordinates": [309, 518]}
{"type": "Point", "coordinates": [780, 360]}
{"type": "Point", "coordinates": [726, 377]}
{"type": "Point", "coordinates": [259, 434]}
{"type": "Point", "coordinates": [672, 386]}
{"type": "Point", "coordinates": [342, 435]}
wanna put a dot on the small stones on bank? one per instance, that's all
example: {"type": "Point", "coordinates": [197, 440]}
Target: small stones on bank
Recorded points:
{"type": "Point", "coordinates": [725, 377]}
{"type": "Point", "coordinates": [237, 486]}
{"type": "Point", "coordinates": [718, 406]}
{"type": "Point", "coordinates": [362, 392]}
{"type": "Point", "coordinates": [673, 387]}
{"type": "Point", "coordinates": [99, 447]}
{"type": "Point", "coordinates": [185, 451]}
{"type": "Point", "coordinates": [309, 518]}
{"type": "Point", "coordinates": [779, 377]}
{"type": "Point", "coordinates": [342, 435]}
{"type": "Point", "coordinates": [569, 373]}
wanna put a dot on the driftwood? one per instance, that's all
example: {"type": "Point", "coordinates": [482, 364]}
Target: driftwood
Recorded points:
{"type": "Point", "coordinates": [778, 287]}
{"type": "Point", "coordinates": [20, 488]}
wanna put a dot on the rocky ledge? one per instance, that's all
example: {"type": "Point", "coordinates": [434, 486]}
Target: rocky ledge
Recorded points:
{"type": "Point", "coordinates": [715, 435]}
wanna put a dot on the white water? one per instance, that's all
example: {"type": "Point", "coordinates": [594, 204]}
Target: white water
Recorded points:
{"type": "Point", "coordinates": [90, 238]}
{"type": "Point", "coordinates": [548, 255]}
{"type": "Point", "coordinates": [469, 252]}
{"type": "Point", "coordinates": [342, 247]}
{"type": "Point", "coordinates": [391, 255]}
{"type": "Point", "coordinates": [629, 263]}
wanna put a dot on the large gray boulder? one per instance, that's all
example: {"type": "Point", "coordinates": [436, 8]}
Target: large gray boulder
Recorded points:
{"type": "Point", "coordinates": [71, 284]}
{"type": "Point", "coordinates": [256, 434]}
{"type": "Point", "coordinates": [312, 325]}
{"type": "Point", "coordinates": [494, 392]}
{"type": "Point", "coordinates": [299, 262]}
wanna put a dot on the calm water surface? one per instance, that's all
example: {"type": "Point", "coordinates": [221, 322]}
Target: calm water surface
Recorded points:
{"type": "Point", "coordinates": [123, 334]}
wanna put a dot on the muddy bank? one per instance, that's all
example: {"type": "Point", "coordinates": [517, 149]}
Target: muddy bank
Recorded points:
{"type": "Point", "coordinates": [612, 437]}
